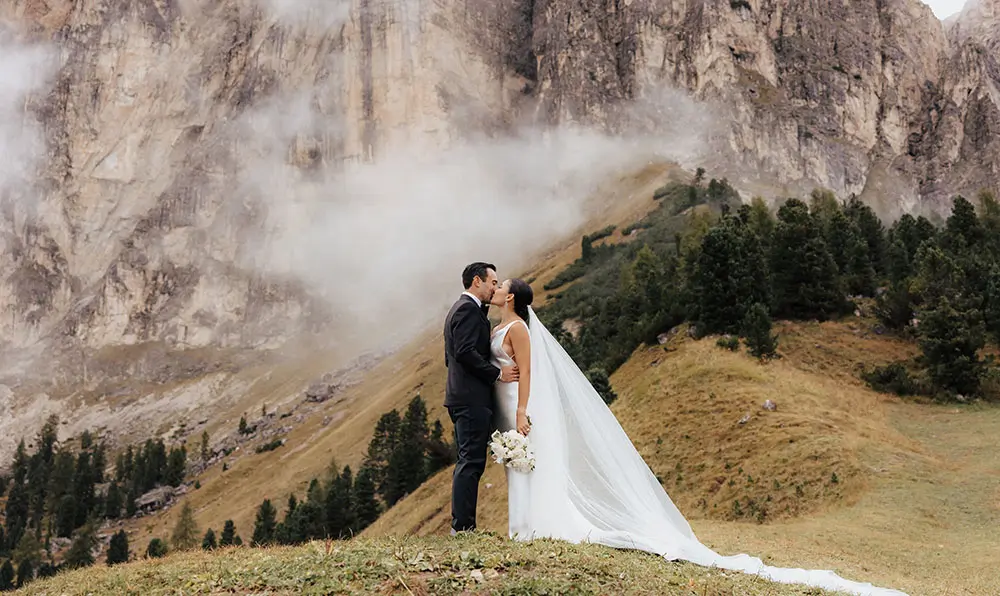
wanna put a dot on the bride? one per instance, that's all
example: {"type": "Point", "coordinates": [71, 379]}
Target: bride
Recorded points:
{"type": "Point", "coordinates": [589, 483]}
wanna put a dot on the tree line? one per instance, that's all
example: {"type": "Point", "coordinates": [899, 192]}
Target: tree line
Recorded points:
{"type": "Point", "coordinates": [55, 493]}
{"type": "Point", "coordinates": [62, 492]}
{"type": "Point", "coordinates": [405, 450]}
{"type": "Point", "coordinates": [728, 268]}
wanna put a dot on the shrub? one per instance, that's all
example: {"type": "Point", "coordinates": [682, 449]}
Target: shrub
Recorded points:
{"type": "Point", "coordinates": [757, 332]}
{"type": "Point", "coordinates": [270, 446]}
{"type": "Point", "coordinates": [598, 377]}
{"type": "Point", "coordinates": [729, 342]}
{"type": "Point", "coordinates": [893, 378]}
{"type": "Point", "coordinates": [156, 549]}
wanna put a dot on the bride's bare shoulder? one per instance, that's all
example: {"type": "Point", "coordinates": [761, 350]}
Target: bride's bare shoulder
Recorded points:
{"type": "Point", "coordinates": [519, 331]}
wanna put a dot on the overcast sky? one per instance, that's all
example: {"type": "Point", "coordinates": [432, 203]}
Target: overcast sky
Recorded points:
{"type": "Point", "coordinates": [945, 8]}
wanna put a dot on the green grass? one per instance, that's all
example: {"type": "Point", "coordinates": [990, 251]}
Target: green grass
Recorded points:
{"type": "Point", "coordinates": [476, 564]}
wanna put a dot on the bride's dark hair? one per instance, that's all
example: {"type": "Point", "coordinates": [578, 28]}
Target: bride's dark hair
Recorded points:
{"type": "Point", "coordinates": [523, 295]}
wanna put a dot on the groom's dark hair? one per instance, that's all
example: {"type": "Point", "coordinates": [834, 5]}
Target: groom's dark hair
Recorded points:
{"type": "Point", "coordinates": [475, 270]}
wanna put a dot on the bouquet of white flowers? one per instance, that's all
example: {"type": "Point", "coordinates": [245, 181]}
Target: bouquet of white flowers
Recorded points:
{"type": "Point", "coordinates": [513, 450]}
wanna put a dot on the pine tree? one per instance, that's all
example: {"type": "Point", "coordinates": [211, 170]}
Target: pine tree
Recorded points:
{"type": "Point", "coordinates": [287, 531]}
{"type": "Point", "coordinates": [898, 261]}
{"type": "Point", "coordinates": [130, 506]}
{"type": "Point", "coordinates": [156, 549]}
{"type": "Point", "coordinates": [587, 249]}
{"type": "Point", "coordinates": [185, 534]}
{"type": "Point", "coordinates": [6, 576]}
{"type": "Point", "coordinates": [991, 304]}
{"type": "Point", "coordinates": [315, 492]}
{"type": "Point", "coordinates": [719, 300]}
{"type": "Point", "coordinates": [407, 467]}
{"type": "Point", "coordinates": [28, 549]}
{"type": "Point", "coordinates": [81, 551]}
{"type": "Point", "coordinates": [100, 462]}
{"type": "Point", "coordinates": [963, 230]}
{"type": "Point", "coordinates": [910, 233]}
{"type": "Point", "coordinates": [383, 445]}
{"type": "Point", "coordinates": [939, 275]}
{"type": "Point", "coordinates": [39, 469]}
{"type": "Point", "coordinates": [61, 478]}
{"type": "Point", "coordinates": [84, 491]}
{"type": "Point", "coordinates": [208, 542]}
{"type": "Point", "coordinates": [25, 573]}
{"type": "Point", "coordinates": [823, 205]}
{"type": "Point", "coordinates": [65, 516]}
{"type": "Point", "coordinates": [871, 229]}
{"type": "Point", "coordinates": [228, 533]}
{"type": "Point", "coordinates": [806, 285]}
{"type": "Point", "coordinates": [760, 221]}
{"type": "Point", "coordinates": [338, 506]}
{"type": "Point", "coordinates": [598, 378]}
{"type": "Point", "coordinates": [244, 429]}
{"type": "Point", "coordinates": [757, 333]}
{"type": "Point", "coordinates": [176, 462]}
{"type": "Point", "coordinates": [439, 452]}
{"type": "Point", "coordinates": [265, 525]}
{"type": "Point", "coordinates": [17, 508]}
{"type": "Point", "coordinates": [384, 440]}
{"type": "Point", "coordinates": [366, 508]}
{"type": "Point", "coordinates": [118, 548]}
{"type": "Point", "coordinates": [850, 251]}
{"type": "Point", "coordinates": [113, 502]}
{"type": "Point", "coordinates": [347, 489]}
{"type": "Point", "coordinates": [157, 464]}
{"type": "Point", "coordinates": [205, 455]}
{"type": "Point", "coordinates": [950, 338]}
{"type": "Point", "coordinates": [306, 522]}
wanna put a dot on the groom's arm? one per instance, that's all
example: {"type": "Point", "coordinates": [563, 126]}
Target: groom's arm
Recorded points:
{"type": "Point", "coordinates": [465, 332]}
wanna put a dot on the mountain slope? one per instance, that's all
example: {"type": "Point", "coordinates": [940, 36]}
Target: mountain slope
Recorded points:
{"type": "Point", "coordinates": [188, 183]}
{"type": "Point", "coordinates": [906, 475]}
{"type": "Point", "coordinates": [341, 428]}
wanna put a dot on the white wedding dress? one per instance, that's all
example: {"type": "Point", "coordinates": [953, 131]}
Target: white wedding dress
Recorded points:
{"type": "Point", "coordinates": [591, 485]}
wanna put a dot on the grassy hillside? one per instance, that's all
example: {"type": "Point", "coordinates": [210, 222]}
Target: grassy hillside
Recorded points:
{"type": "Point", "coordinates": [916, 490]}
{"type": "Point", "coordinates": [476, 564]}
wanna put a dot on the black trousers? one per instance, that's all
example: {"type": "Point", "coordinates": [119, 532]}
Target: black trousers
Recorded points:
{"type": "Point", "coordinates": [473, 425]}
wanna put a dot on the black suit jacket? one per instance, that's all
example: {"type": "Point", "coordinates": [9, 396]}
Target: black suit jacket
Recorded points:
{"type": "Point", "coordinates": [467, 356]}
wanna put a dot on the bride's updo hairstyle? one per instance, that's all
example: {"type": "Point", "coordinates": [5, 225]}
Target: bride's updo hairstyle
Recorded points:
{"type": "Point", "coordinates": [523, 295]}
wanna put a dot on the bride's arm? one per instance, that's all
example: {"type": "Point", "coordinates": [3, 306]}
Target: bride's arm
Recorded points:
{"type": "Point", "coordinates": [521, 345]}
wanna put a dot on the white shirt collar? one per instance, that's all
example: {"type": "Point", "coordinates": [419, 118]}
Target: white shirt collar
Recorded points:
{"type": "Point", "coordinates": [479, 302]}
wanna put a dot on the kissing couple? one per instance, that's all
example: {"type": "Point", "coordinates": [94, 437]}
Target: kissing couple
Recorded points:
{"type": "Point", "coordinates": [589, 483]}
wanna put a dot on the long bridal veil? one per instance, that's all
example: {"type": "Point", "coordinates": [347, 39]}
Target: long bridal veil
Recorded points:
{"type": "Point", "coordinates": [614, 498]}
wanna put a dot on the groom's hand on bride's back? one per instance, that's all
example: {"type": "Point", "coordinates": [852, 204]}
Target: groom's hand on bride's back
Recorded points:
{"type": "Point", "coordinates": [509, 374]}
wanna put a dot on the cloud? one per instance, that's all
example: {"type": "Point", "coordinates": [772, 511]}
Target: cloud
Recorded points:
{"type": "Point", "coordinates": [24, 70]}
{"type": "Point", "coordinates": [385, 242]}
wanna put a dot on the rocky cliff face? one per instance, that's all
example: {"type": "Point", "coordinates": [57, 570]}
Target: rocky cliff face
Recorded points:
{"type": "Point", "coordinates": [811, 92]}
{"type": "Point", "coordinates": [175, 137]}
{"type": "Point", "coordinates": [956, 145]}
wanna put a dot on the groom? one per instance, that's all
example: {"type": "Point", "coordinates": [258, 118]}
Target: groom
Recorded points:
{"type": "Point", "coordinates": [469, 391]}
